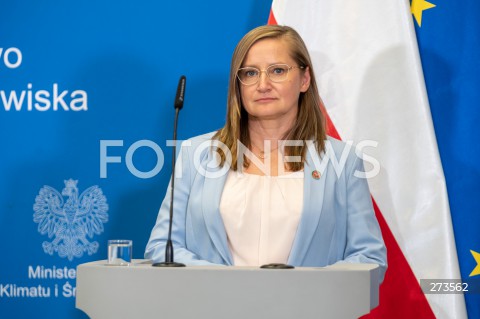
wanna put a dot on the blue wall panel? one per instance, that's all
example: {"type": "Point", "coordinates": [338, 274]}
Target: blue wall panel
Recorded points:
{"type": "Point", "coordinates": [114, 65]}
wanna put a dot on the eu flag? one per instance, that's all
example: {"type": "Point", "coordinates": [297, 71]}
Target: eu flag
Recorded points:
{"type": "Point", "coordinates": [448, 34]}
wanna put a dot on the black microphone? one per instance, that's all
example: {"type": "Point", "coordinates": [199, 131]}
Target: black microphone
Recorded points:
{"type": "Point", "coordinates": [179, 98]}
{"type": "Point", "coordinates": [180, 93]}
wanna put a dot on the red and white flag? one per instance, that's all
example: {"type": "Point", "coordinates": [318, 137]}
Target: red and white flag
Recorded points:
{"type": "Point", "coordinates": [368, 69]}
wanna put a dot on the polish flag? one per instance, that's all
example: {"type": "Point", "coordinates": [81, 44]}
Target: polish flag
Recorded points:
{"type": "Point", "coordinates": [369, 73]}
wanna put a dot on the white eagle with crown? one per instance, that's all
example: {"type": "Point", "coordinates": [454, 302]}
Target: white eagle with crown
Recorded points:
{"type": "Point", "coordinates": [70, 221]}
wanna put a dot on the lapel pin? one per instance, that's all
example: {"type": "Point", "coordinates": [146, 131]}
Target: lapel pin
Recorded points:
{"type": "Point", "coordinates": [316, 174]}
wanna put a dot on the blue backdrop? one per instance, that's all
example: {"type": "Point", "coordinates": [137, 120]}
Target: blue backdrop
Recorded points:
{"type": "Point", "coordinates": [79, 77]}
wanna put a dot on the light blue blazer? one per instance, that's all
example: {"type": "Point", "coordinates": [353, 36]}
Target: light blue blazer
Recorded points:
{"type": "Point", "coordinates": [337, 222]}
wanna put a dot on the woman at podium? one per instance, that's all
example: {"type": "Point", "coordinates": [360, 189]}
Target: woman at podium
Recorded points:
{"type": "Point", "coordinates": [270, 187]}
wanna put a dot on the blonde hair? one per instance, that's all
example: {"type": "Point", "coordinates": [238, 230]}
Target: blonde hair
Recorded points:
{"type": "Point", "coordinates": [310, 123]}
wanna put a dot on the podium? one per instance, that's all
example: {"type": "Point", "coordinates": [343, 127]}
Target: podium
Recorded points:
{"type": "Point", "coordinates": [141, 291]}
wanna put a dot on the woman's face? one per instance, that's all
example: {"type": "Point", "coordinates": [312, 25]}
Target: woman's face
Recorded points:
{"type": "Point", "coordinates": [267, 100]}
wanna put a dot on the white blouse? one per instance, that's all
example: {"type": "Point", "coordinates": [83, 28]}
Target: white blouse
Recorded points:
{"type": "Point", "coordinates": [261, 216]}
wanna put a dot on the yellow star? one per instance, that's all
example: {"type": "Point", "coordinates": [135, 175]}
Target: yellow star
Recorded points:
{"type": "Point", "coordinates": [417, 8]}
{"type": "Point", "coordinates": [476, 270]}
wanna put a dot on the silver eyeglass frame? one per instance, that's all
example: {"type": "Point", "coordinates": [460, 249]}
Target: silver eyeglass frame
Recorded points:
{"type": "Point", "coordinates": [266, 72]}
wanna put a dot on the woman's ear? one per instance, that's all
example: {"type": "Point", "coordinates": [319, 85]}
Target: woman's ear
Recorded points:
{"type": "Point", "coordinates": [305, 80]}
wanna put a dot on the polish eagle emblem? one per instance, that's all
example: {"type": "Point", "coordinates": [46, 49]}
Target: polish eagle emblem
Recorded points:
{"type": "Point", "coordinates": [71, 220]}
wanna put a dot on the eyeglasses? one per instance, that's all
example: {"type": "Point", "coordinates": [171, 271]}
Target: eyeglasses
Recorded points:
{"type": "Point", "coordinates": [275, 72]}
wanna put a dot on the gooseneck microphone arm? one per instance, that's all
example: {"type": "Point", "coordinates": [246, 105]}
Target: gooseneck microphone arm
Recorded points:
{"type": "Point", "coordinates": [169, 256]}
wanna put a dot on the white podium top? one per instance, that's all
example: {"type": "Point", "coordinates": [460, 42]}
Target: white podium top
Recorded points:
{"type": "Point", "coordinates": [141, 291]}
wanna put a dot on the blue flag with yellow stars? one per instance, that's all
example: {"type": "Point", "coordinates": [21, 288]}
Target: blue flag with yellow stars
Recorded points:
{"type": "Point", "coordinates": [448, 34]}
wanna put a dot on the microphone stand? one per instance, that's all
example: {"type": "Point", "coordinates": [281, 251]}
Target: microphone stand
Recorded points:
{"type": "Point", "coordinates": [169, 260]}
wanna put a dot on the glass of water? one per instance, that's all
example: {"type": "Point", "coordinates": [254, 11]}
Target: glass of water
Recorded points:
{"type": "Point", "coordinates": [119, 252]}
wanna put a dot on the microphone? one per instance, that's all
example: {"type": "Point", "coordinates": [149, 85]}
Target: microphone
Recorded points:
{"type": "Point", "coordinates": [180, 93]}
{"type": "Point", "coordinates": [179, 98]}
